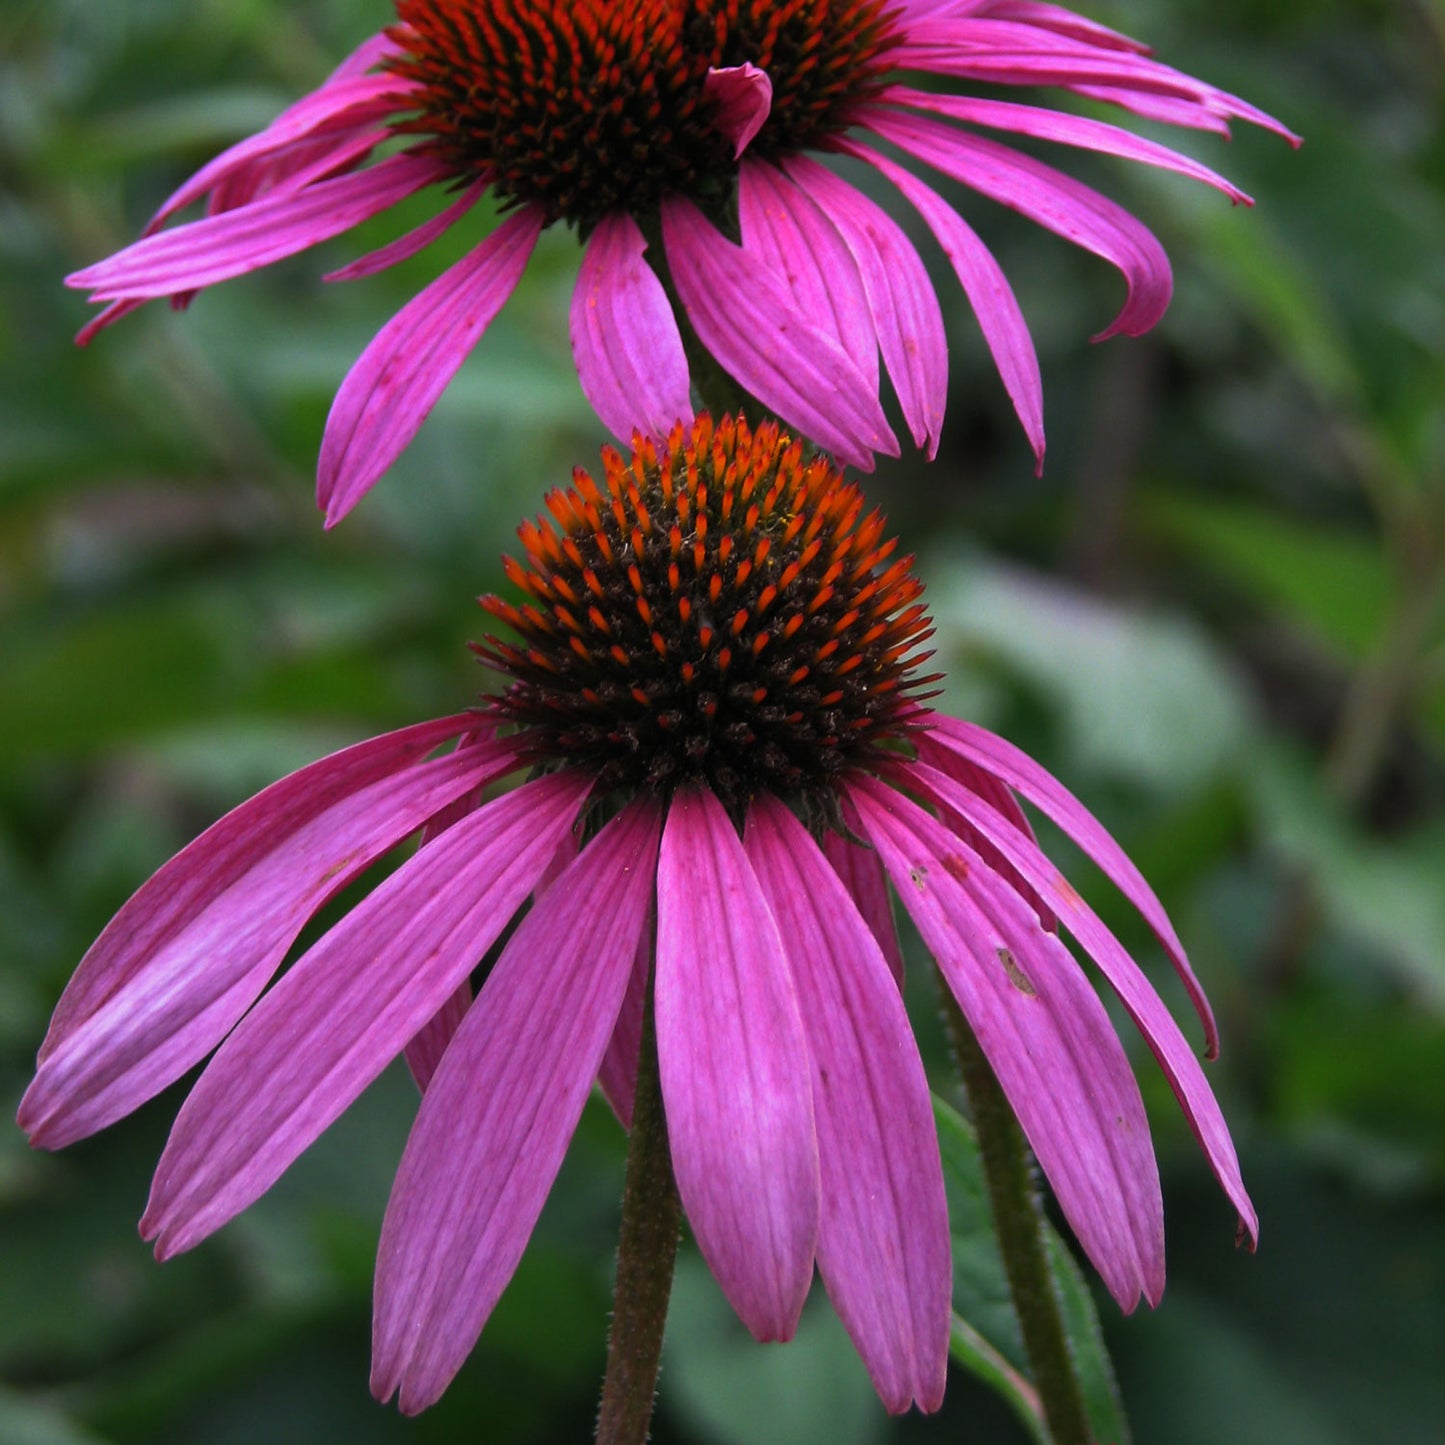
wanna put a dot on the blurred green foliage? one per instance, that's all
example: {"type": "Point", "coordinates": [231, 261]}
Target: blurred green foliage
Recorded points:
{"type": "Point", "coordinates": [1220, 615]}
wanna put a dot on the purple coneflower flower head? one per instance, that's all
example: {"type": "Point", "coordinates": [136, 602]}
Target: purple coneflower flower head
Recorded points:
{"type": "Point", "coordinates": [713, 692]}
{"type": "Point", "coordinates": [683, 140]}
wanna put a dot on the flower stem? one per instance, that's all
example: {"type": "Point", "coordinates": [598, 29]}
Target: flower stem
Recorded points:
{"type": "Point", "coordinates": [1019, 1222]}
{"type": "Point", "coordinates": [715, 387]}
{"type": "Point", "coordinates": [646, 1253]}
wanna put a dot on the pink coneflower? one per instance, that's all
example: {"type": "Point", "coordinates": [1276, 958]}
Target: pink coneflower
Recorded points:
{"type": "Point", "coordinates": [687, 126]}
{"type": "Point", "coordinates": [714, 693]}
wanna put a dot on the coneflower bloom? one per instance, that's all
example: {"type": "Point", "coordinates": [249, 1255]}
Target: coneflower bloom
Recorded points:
{"type": "Point", "coordinates": [676, 138]}
{"type": "Point", "coordinates": [714, 694]}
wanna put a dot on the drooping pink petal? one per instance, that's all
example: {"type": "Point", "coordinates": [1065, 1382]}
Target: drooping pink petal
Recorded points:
{"type": "Point", "coordinates": [861, 872]}
{"type": "Point", "coordinates": [986, 786]}
{"type": "Point", "coordinates": [883, 1242]}
{"type": "Point", "coordinates": [400, 376]}
{"type": "Point", "coordinates": [1020, 772]}
{"type": "Point", "coordinates": [426, 1047]}
{"type": "Point", "coordinates": [423, 1053]}
{"type": "Point", "coordinates": [217, 248]}
{"type": "Point", "coordinates": [793, 238]}
{"type": "Point", "coordinates": [108, 317]}
{"type": "Point", "coordinates": [1110, 67]}
{"type": "Point", "coordinates": [741, 97]}
{"type": "Point", "coordinates": [497, 1119]}
{"type": "Point", "coordinates": [1167, 109]}
{"type": "Point", "coordinates": [1053, 125]}
{"type": "Point", "coordinates": [745, 317]}
{"type": "Point", "coordinates": [1065, 22]}
{"type": "Point", "coordinates": [617, 1075]}
{"type": "Point", "coordinates": [901, 299]}
{"type": "Point", "coordinates": [1056, 201]}
{"type": "Point", "coordinates": [735, 1070]}
{"type": "Point", "coordinates": [1145, 1007]}
{"type": "Point", "coordinates": [190, 952]}
{"type": "Point", "coordinates": [415, 240]}
{"type": "Point", "coordinates": [988, 292]}
{"type": "Point", "coordinates": [371, 52]}
{"type": "Point", "coordinates": [333, 111]}
{"type": "Point", "coordinates": [1008, 52]}
{"type": "Point", "coordinates": [347, 1007]}
{"type": "Point", "coordinates": [430, 1042]}
{"type": "Point", "coordinates": [1045, 1034]}
{"type": "Point", "coordinates": [625, 340]}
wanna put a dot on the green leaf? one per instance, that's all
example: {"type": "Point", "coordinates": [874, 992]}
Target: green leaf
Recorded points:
{"type": "Point", "coordinates": [986, 1339]}
{"type": "Point", "coordinates": [1385, 895]}
{"type": "Point", "coordinates": [1335, 584]}
{"type": "Point", "coordinates": [1143, 696]}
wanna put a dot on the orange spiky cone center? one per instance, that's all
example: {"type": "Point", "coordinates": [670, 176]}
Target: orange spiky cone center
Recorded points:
{"type": "Point", "coordinates": [719, 609]}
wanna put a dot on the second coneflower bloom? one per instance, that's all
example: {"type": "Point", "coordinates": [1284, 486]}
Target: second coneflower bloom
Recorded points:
{"type": "Point", "coordinates": [711, 688]}
{"type": "Point", "coordinates": [680, 140]}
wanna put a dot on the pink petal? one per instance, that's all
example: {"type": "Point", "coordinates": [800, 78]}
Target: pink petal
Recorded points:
{"type": "Point", "coordinates": [415, 240]}
{"type": "Point", "coordinates": [900, 296]}
{"type": "Point", "coordinates": [1009, 53]}
{"type": "Point", "coordinates": [1065, 22]}
{"type": "Point", "coordinates": [371, 52]}
{"type": "Point", "coordinates": [426, 1048]}
{"type": "Point", "coordinates": [108, 317]}
{"type": "Point", "coordinates": [1075, 56]}
{"type": "Point", "coordinates": [792, 237]}
{"type": "Point", "coordinates": [1071, 130]}
{"type": "Point", "coordinates": [347, 1007]}
{"type": "Point", "coordinates": [333, 111]}
{"type": "Point", "coordinates": [1145, 1007]}
{"type": "Point", "coordinates": [497, 1119]}
{"type": "Point", "coordinates": [862, 875]}
{"type": "Point", "coordinates": [424, 1051]}
{"type": "Point", "coordinates": [625, 340]}
{"type": "Point", "coordinates": [1167, 109]}
{"type": "Point", "coordinates": [220, 247]}
{"type": "Point", "coordinates": [190, 952]}
{"type": "Point", "coordinates": [1045, 1034]}
{"type": "Point", "coordinates": [883, 1242]}
{"type": "Point", "coordinates": [744, 316]}
{"type": "Point", "coordinates": [988, 292]}
{"type": "Point", "coordinates": [1054, 200]}
{"type": "Point", "coordinates": [400, 376]}
{"type": "Point", "coordinates": [986, 786]}
{"type": "Point", "coordinates": [735, 1069]}
{"type": "Point", "coordinates": [1014, 767]}
{"type": "Point", "coordinates": [617, 1075]}
{"type": "Point", "coordinates": [741, 97]}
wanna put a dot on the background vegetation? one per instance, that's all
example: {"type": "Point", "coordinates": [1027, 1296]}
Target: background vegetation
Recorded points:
{"type": "Point", "coordinates": [1218, 615]}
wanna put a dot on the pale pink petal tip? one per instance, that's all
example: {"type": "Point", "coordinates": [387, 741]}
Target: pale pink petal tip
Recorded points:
{"type": "Point", "coordinates": [192, 950]}
{"type": "Point", "coordinates": [348, 1006]}
{"type": "Point", "coordinates": [742, 96]}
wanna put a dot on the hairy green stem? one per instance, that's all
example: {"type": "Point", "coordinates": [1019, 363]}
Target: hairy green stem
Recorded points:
{"type": "Point", "coordinates": [1019, 1223]}
{"type": "Point", "coordinates": [646, 1253]}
